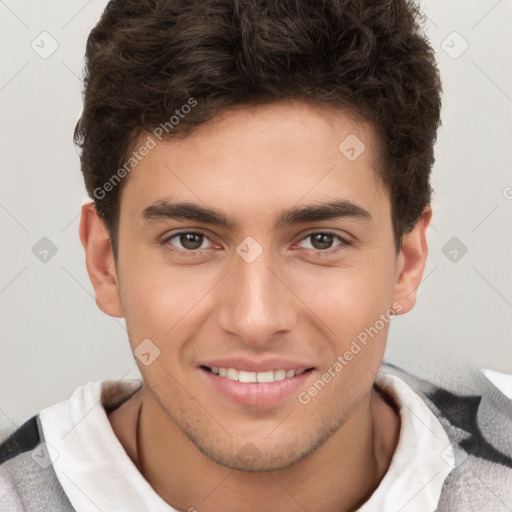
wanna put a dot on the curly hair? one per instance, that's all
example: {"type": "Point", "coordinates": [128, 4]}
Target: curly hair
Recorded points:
{"type": "Point", "coordinates": [147, 59]}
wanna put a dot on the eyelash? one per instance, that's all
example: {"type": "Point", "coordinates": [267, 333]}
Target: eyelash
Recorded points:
{"type": "Point", "coordinates": [327, 252]}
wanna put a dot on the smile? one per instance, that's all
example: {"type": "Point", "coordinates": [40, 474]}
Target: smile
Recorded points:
{"type": "Point", "coordinates": [255, 388]}
{"type": "Point", "coordinates": [247, 377]}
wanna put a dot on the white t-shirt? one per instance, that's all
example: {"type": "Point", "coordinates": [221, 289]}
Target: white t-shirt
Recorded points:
{"type": "Point", "coordinates": [97, 474]}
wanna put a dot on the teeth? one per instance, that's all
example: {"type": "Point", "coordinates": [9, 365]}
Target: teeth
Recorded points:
{"type": "Point", "coordinates": [279, 374]}
{"type": "Point", "coordinates": [265, 376]}
{"type": "Point", "coordinates": [247, 376]}
{"type": "Point", "coordinates": [243, 376]}
{"type": "Point", "coordinates": [232, 374]}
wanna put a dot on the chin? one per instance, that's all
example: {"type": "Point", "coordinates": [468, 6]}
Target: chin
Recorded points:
{"type": "Point", "coordinates": [250, 459]}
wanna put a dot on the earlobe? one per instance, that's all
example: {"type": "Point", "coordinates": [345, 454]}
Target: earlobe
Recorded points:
{"type": "Point", "coordinates": [411, 263]}
{"type": "Point", "coordinates": [100, 261]}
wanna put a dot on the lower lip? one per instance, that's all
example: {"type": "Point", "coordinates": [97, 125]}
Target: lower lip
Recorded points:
{"type": "Point", "coordinates": [256, 394]}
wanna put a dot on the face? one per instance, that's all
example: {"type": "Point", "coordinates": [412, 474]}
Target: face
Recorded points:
{"type": "Point", "coordinates": [280, 264]}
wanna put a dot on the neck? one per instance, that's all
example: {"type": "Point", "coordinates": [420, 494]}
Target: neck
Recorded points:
{"type": "Point", "coordinates": [339, 476]}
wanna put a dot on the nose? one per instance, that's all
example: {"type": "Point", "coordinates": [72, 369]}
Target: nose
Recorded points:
{"type": "Point", "coordinates": [256, 303]}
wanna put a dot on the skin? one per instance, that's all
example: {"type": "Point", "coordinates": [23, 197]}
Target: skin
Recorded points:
{"type": "Point", "coordinates": [297, 300]}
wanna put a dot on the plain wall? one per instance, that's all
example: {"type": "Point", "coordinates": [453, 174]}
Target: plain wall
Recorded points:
{"type": "Point", "coordinates": [53, 338]}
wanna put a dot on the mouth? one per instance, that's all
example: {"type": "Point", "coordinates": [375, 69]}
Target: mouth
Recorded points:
{"type": "Point", "coordinates": [255, 388]}
{"type": "Point", "coordinates": [252, 377]}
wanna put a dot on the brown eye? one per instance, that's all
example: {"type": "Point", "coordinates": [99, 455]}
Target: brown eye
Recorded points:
{"type": "Point", "coordinates": [323, 240]}
{"type": "Point", "coordinates": [186, 241]}
{"type": "Point", "coordinates": [191, 241]}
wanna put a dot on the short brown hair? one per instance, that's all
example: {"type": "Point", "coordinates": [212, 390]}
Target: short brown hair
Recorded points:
{"type": "Point", "coordinates": [146, 59]}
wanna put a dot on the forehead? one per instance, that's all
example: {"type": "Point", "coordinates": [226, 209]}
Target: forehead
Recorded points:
{"type": "Point", "coordinates": [258, 157]}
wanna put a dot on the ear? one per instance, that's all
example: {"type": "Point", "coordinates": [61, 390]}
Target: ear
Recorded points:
{"type": "Point", "coordinates": [411, 263]}
{"type": "Point", "coordinates": [100, 261]}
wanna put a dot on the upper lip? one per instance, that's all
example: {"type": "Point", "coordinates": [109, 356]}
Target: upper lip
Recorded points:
{"type": "Point", "coordinates": [252, 365]}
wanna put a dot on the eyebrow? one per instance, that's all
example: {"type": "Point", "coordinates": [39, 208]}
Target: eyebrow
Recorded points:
{"type": "Point", "coordinates": [165, 209]}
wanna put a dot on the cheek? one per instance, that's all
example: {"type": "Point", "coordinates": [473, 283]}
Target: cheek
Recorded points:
{"type": "Point", "coordinates": [353, 305]}
{"type": "Point", "coordinates": [348, 300]}
{"type": "Point", "coordinates": [159, 302]}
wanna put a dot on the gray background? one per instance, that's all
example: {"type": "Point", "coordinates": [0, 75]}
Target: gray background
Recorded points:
{"type": "Point", "coordinates": [53, 338]}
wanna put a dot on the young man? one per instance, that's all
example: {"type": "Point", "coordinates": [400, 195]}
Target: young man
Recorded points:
{"type": "Point", "coordinates": [260, 178]}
